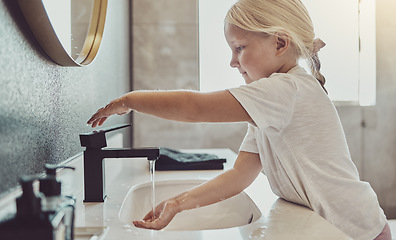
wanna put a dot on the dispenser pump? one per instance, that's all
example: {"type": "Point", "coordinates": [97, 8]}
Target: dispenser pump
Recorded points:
{"type": "Point", "coordinates": [28, 204]}
{"type": "Point", "coordinates": [49, 185]}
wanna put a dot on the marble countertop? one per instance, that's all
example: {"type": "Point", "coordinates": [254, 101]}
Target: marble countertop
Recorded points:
{"type": "Point", "coordinates": [279, 220]}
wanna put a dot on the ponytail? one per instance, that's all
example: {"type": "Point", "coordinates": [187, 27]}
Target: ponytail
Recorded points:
{"type": "Point", "coordinates": [314, 62]}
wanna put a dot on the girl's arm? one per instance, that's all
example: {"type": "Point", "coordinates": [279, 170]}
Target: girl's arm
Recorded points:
{"type": "Point", "coordinates": [226, 185]}
{"type": "Point", "coordinates": [186, 106]}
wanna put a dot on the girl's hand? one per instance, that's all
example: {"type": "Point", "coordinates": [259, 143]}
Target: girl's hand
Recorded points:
{"type": "Point", "coordinates": [225, 185]}
{"type": "Point", "coordinates": [164, 213]}
{"type": "Point", "coordinates": [116, 106]}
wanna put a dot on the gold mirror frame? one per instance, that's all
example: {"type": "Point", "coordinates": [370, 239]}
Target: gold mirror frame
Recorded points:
{"type": "Point", "coordinates": [40, 24]}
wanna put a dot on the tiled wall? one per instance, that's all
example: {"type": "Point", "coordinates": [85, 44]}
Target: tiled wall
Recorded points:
{"type": "Point", "coordinates": [379, 149]}
{"type": "Point", "coordinates": [44, 106]}
{"type": "Point", "coordinates": [165, 57]}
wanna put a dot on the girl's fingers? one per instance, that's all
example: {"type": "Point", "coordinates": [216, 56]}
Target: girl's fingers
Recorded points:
{"type": "Point", "coordinates": [114, 107]}
{"type": "Point", "coordinates": [98, 122]}
{"type": "Point", "coordinates": [95, 117]}
{"type": "Point", "coordinates": [102, 120]}
{"type": "Point", "coordinates": [157, 221]}
{"type": "Point", "coordinates": [148, 216]}
{"type": "Point", "coordinates": [142, 224]}
{"type": "Point", "coordinates": [156, 224]}
{"type": "Point", "coordinates": [98, 118]}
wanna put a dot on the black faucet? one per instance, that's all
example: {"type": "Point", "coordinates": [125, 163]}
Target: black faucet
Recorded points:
{"type": "Point", "coordinates": [94, 172]}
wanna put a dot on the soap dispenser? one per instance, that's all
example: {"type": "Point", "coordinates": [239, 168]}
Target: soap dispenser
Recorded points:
{"type": "Point", "coordinates": [29, 203]}
{"type": "Point", "coordinates": [54, 202]}
{"type": "Point", "coordinates": [29, 221]}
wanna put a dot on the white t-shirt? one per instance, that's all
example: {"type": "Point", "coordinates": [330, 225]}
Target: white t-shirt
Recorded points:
{"type": "Point", "coordinates": [298, 135]}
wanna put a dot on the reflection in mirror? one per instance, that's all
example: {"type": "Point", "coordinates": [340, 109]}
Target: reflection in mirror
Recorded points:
{"type": "Point", "coordinates": [69, 31]}
{"type": "Point", "coordinates": [81, 12]}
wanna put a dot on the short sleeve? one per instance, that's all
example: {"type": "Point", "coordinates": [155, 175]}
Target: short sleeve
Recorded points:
{"type": "Point", "coordinates": [249, 142]}
{"type": "Point", "coordinates": [268, 101]}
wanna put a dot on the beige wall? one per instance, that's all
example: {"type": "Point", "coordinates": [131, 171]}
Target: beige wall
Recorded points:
{"type": "Point", "coordinates": [379, 147]}
{"type": "Point", "coordinates": [165, 56]}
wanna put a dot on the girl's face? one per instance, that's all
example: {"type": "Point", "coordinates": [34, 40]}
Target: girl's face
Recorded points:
{"type": "Point", "coordinates": [256, 55]}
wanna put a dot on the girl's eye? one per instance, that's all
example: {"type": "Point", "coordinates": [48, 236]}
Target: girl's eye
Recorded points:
{"type": "Point", "coordinates": [240, 48]}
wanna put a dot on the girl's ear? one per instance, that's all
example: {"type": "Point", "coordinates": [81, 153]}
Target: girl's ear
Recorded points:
{"type": "Point", "coordinates": [282, 43]}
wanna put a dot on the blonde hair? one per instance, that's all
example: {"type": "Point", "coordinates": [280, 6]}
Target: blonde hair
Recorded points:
{"type": "Point", "coordinates": [289, 17]}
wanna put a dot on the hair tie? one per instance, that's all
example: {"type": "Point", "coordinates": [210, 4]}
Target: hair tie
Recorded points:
{"type": "Point", "coordinates": [317, 45]}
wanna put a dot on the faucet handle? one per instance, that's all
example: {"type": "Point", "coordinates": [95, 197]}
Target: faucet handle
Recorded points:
{"type": "Point", "coordinates": [97, 138]}
{"type": "Point", "coordinates": [113, 128]}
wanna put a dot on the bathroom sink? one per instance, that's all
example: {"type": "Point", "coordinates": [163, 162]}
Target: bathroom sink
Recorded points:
{"type": "Point", "coordinates": [233, 212]}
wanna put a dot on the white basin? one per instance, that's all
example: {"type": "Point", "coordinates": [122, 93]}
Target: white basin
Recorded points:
{"type": "Point", "coordinates": [233, 212]}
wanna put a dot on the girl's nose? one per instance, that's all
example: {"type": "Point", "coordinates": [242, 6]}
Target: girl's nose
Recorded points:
{"type": "Point", "coordinates": [234, 63]}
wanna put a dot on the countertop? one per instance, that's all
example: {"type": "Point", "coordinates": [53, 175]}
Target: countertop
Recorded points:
{"type": "Point", "coordinates": [280, 219]}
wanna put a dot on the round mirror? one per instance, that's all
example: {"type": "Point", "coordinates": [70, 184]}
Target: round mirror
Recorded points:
{"type": "Point", "coordinates": [69, 31]}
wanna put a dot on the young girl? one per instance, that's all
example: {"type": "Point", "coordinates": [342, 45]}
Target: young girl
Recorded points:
{"type": "Point", "coordinates": [294, 133]}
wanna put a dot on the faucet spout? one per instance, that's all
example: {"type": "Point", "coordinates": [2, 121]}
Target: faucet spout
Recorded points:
{"type": "Point", "coordinates": [94, 167]}
{"type": "Point", "coordinates": [150, 153]}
